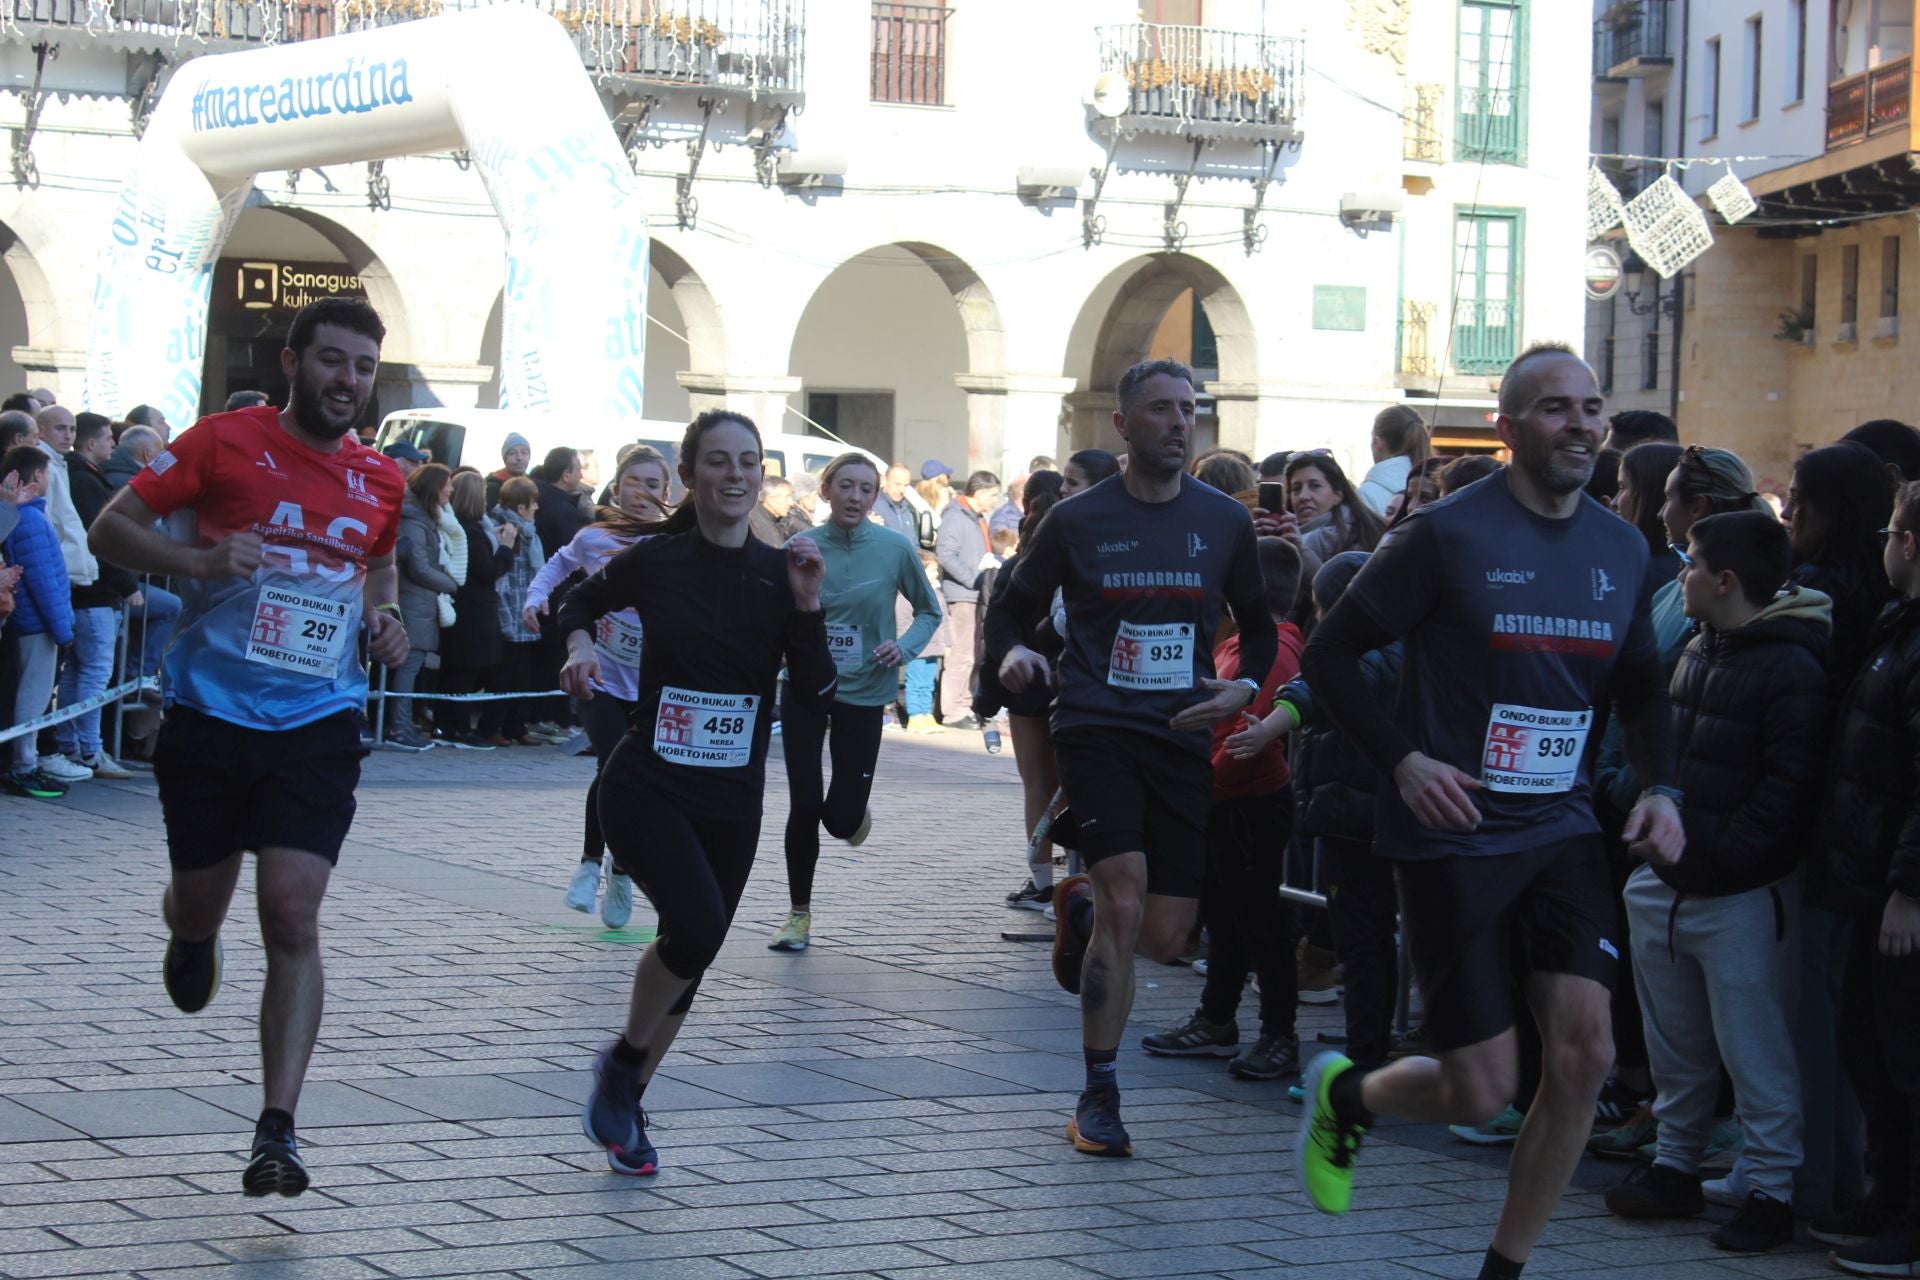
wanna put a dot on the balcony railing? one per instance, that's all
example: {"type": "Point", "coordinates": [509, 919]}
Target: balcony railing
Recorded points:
{"type": "Point", "coordinates": [1486, 336]}
{"type": "Point", "coordinates": [1423, 140]}
{"type": "Point", "coordinates": [910, 53]}
{"type": "Point", "coordinates": [1419, 355]}
{"type": "Point", "coordinates": [1632, 37]}
{"type": "Point", "coordinates": [752, 45]}
{"type": "Point", "coordinates": [1870, 102]}
{"type": "Point", "coordinates": [1205, 81]}
{"type": "Point", "coordinates": [1490, 124]}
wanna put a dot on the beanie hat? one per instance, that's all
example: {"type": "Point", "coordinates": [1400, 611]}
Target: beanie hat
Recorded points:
{"type": "Point", "coordinates": [514, 440]}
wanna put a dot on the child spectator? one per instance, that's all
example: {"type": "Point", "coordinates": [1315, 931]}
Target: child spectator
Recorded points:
{"type": "Point", "coordinates": [1870, 847]}
{"type": "Point", "coordinates": [504, 722]}
{"type": "Point", "coordinates": [1715, 946]}
{"type": "Point", "coordinates": [42, 621]}
{"type": "Point", "coordinates": [923, 673]}
{"type": "Point", "coordinates": [1249, 824]}
{"type": "Point", "coordinates": [1333, 790]}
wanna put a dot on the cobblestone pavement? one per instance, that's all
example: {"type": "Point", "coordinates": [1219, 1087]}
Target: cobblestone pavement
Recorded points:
{"type": "Point", "coordinates": [891, 1103]}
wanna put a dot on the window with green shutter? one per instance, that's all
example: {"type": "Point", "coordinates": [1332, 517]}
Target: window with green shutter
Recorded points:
{"type": "Point", "coordinates": [1492, 119]}
{"type": "Point", "coordinates": [1486, 306]}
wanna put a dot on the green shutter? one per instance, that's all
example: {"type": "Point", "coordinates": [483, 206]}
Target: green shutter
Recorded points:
{"type": "Point", "coordinates": [1486, 306]}
{"type": "Point", "coordinates": [1491, 121]}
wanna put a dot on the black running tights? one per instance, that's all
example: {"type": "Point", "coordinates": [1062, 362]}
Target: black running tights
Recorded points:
{"type": "Point", "coordinates": [606, 718]}
{"type": "Point", "coordinates": [855, 749]}
{"type": "Point", "coordinates": [693, 867]}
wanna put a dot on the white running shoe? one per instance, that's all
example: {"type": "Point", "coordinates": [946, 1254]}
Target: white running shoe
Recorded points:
{"type": "Point", "coordinates": [585, 887]}
{"type": "Point", "coordinates": [61, 769]}
{"type": "Point", "coordinates": [104, 766]}
{"type": "Point", "coordinates": [616, 908]}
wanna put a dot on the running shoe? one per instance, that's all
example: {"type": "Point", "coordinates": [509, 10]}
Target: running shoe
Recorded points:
{"type": "Point", "coordinates": [1732, 1191]}
{"type": "Point", "coordinates": [1095, 1127]}
{"type": "Point", "coordinates": [1657, 1191]}
{"type": "Point", "coordinates": [616, 908]}
{"type": "Point", "coordinates": [1626, 1141]}
{"type": "Point", "coordinates": [1616, 1105]}
{"type": "Point", "coordinates": [1854, 1226]}
{"type": "Point", "coordinates": [861, 832]}
{"type": "Point", "coordinates": [1295, 1093]}
{"type": "Point", "coordinates": [1894, 1252]}
{"type": "Point", "coordinates": [1199, 965]}
{"type": "Point", "coordinates": [1197, 1037]}
{"type": "Point", "coordinates": [642, 1159]}
{"type": "Point", "coordinates": [1319, 974]}
{"type": "Point", "coordinates": [1501, 1131]}
{"type": "Point", "coordinates": [795, 934]}
{"type": "Point", "coordinates": [547, 729]}
{"type": "Point", "coordinates": [961, 723]}
{"type": "Point", "coordinates": [1327, 1147]}
{"type": "Point", "coordinates": [61, 769]}
{"type": "Point", "coordinates": [408, 738]}
{"type": "Point", "coordinates": [1030, 897]}
{"type": "Point", "coordinates": [468, 741]}
{"type": "Point", "coordinates": [924, 724]}
{"type": "Point", "coordinates": [1763, 1223]}
{"type": "Point", "coordinates": [102, 765]}
{"type": "Point", "coordinates": [1069, 948]}
{"type": "Point", "coordinates": [585, 887]}
{"type": "Point", "coordinates": [34, 786]}
{"type": "Point", "coordinates": [190, 972]}
{"type": "Point", "coordinates": [612, 1114]}
{"type": "Point", "coordinates": [275, 1167]}
{"type": "Point", "coordinates": [1270, 1058]}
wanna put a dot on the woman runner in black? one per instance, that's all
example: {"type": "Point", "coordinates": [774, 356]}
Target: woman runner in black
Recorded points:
{"type": "Point", "coordinates": [680, 796]}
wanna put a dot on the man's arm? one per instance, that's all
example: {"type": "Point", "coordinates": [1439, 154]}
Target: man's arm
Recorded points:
{"type": "Point", "coordinates": [124, 534]}
{"type": "Point", "coordinates": [1654, 830]}
{"type": "Point", "coordinates": [386, 631]}
{"type": "Point", "coordinates": [1038, 571]}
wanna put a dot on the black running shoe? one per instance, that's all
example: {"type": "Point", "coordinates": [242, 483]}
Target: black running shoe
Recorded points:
{"type": "Point", "coordinates": [641, 1158]}
{"type": "Point", "coordinates": [1096, 1128]}
{"type": "Point", "coordinates": [191, 972]}
{"type": "Point", "coordinates": [275, 1167]}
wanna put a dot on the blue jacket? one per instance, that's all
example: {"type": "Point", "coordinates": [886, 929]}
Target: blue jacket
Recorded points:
{"type": "Point", "coordinates": [43, 602]}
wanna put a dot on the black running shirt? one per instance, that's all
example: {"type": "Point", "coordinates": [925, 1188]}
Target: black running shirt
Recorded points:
{"type": "Point", "coordinates": [1514, 625]}
{"type": "Point", "coordinates": [1143, 584]}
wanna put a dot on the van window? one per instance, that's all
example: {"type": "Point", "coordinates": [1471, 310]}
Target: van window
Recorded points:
{"type": "Point", "coordinates": [776, 462]}
{"type": "Point", "coordinates": [817, 462]}
{"type": "Point", "coordinates": [444, 440]}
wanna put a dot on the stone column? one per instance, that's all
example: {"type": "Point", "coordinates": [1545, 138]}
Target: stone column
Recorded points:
{"type": "Point", "coordinates": [761, 396]}
{"type": "Point", "coordinates": [62, 371]}
{"type": "Point", "coordinates": [1092, 422]}
{"type": "Point", "coordinates": [1250, 416]}
{"type": "Point", "coordinates": [1011, 418]}
{"type": "Point", "coordinates": [457, 386]}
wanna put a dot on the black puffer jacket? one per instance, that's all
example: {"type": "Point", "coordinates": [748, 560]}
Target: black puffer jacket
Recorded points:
{"type": "Point", "coordinates": [1857, 601]}
{"type": "Point", "coordinates": [1869, 836]}
{"type": "Point", "coordinates": [1333, 783]}
{"type": "Point", "coordinates": [1750, 715]}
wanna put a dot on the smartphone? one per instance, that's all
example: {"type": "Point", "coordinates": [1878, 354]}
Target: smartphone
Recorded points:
{"type": "Point", "coordinates": [1273, 496]}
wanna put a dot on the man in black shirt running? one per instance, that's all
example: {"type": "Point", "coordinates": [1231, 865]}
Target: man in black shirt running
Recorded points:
{"type": "Point", "coordinates": [1144, 561]}
{"type": "Point", "coordinates": [1522, 603]}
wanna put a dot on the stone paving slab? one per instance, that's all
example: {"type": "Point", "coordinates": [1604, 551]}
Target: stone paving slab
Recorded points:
{"type": "Point", "coordinates": [889, 1104]}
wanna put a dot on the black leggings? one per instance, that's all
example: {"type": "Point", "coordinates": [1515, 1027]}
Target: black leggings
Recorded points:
{"type": "Point", "coordinates": [1363, 910]}
{"type": "Point", "coordinates": [693, 867]}
{"type": "Point", "coordinates": [606, 718]}
{"type": "Point", "coordinates": [856, 749]}
{"type": "Point", "coordinates": [1246, 921]}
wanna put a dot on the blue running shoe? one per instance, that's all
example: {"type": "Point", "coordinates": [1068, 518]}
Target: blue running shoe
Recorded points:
{"type": "Point", "coordinates": [1096, 1128]}
{"type": "Point", "coordinates": [641, 1160]}
{"type": "Point", "coordinates": [610, 1117]}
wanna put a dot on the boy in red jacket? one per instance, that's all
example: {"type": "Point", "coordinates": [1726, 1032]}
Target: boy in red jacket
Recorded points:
{"type": "Point", "coordinates": [1249, 823]}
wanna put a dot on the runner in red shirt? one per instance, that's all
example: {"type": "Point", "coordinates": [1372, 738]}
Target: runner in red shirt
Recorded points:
{"type": "Point", "coordinates": [283, 526]}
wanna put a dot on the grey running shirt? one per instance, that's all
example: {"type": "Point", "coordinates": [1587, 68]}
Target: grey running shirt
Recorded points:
{"type": "Point", "coordinates": [1143, 583]}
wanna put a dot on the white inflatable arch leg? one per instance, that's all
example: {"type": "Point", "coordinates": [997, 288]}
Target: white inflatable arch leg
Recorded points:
{"type": "Point", "coordinates": [502, 82]}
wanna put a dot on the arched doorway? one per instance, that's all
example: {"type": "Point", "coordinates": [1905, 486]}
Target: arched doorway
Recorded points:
{"type": "Point", "coordinates": [1167, 304]}
{"type": "Point", "coordinates": [27, 317]}
{"type": "Point", "coordinates": [882, 346]}
{"type": "Point", "coordinates": [275, 262]}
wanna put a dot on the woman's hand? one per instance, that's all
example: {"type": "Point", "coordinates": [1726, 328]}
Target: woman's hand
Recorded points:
{"type": "Point", "coordinates": [583, 666]}
{"type": "Point", "coordinates": [530, 617]}
{"type": "Point", "coordinates": [508, 534]}
{"type": "Point", "coordinates": [806, 573]}
{"type": "Point", "coordinates": [888, 654]}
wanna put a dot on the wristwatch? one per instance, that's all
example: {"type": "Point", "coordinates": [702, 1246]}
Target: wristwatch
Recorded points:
{"type": "Point", "coordinates": [1674, 794]}
{"type": "Point", "coordinates": [1251, 684]}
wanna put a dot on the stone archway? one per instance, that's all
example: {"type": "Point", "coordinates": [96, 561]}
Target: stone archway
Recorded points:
{"type": "Point", "coordinates": [27, 317]}
{"type": "Point", "coordinates": [1116, 328]}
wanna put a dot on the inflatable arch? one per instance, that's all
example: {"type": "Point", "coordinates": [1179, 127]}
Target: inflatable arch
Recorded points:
{"type": "Point", "coordinates": [503, 83]}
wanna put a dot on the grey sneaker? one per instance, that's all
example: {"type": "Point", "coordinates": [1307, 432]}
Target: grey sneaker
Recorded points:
{"type": "Point", "coordinates": [611, 1117]}
{"type": "Point", "coordinates": [1194, 1038]}
{"type": "Point", "coordinates": [1270, 1058]}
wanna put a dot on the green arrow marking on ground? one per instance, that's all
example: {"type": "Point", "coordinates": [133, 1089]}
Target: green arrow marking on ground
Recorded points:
{"type": "Point", "coordinates": [634, 936]}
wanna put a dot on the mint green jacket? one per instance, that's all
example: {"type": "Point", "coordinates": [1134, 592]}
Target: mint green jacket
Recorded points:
{"type": "Point", "coordinates": [866, 568]}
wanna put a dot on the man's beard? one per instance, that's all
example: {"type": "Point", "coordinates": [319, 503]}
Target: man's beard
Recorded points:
{"type": "Point", "coordinates": [1537, 461]}
{"type": "Point", "coordinates": [310, 412]}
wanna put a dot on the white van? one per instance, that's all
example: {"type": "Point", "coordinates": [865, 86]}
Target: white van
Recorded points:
{"type": "Point", "coordinates": [473, 437]}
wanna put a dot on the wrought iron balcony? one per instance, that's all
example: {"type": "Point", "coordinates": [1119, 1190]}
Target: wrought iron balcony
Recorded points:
{"type": "Point", "coordinates": [1419, 355]}
{"type": "Point", "coordinates": [1422, 140]}
{"type": "Point", "coordinates": [1207, 81]}
{"type": "Point", "coordinates": [1869, 103]}
{"type": "Point", "coordinates": [1633, 38]}
{"type": "Point", "coordinates": [750, 46]}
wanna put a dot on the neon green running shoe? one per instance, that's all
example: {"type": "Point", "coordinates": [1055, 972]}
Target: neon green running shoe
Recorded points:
{"type": "Point", "coordinates": [1325, 1150]}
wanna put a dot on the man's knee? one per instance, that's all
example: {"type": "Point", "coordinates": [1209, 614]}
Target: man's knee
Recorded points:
{"type": "Point", "coordinates": [1578, 1061]}
{"type": "Point", "coordinates": [289, 925]}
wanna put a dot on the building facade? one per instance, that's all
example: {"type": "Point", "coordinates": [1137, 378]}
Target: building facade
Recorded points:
{"type": "Point", "coordinates": [1789, 328]}
{"type": "Point", "coordinates": [938, 231]}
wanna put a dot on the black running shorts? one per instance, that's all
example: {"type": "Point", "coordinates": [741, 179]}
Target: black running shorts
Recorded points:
{"type": "Point", "coordinates": [1132, 791]}
{"type": "Point", "coordinates": [1477, 926]}
{"type": "Point", "coordinates": [226, 789]}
